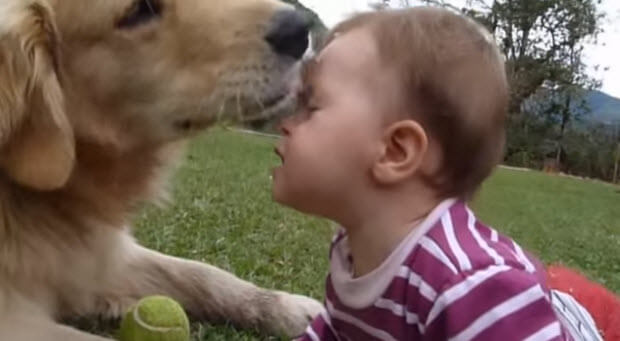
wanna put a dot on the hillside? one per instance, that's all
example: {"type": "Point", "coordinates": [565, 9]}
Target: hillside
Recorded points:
{"type": "Point", "coordinates": [605, 108]}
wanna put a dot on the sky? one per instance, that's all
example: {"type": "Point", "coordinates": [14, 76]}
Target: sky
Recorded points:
{"type": "Point", "coordinates": [605, 54]}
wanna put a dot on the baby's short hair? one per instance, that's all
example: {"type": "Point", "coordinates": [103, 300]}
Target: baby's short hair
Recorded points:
{"type": "Point", "coordinates": [454, 84]}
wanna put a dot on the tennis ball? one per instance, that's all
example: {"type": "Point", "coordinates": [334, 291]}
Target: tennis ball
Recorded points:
{"type": "Point", "coordinates": [155, 318]}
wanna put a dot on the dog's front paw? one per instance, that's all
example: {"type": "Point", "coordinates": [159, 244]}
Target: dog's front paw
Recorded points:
{"type": "Point", "coordinates": [296, 312]}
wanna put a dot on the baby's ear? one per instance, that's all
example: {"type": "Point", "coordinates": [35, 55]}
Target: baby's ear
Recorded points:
{"type": "Point", "coordinates": [404, 147]}
{"type": "Point", "coordinates": [36, 139]}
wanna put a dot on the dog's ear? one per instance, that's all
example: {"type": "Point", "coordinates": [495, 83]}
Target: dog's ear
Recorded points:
{"type": "Point", "coordinates": [37, 147]}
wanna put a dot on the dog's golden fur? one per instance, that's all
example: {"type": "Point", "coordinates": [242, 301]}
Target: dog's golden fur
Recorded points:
{"type": "Point", "coordinates": [92, 119]}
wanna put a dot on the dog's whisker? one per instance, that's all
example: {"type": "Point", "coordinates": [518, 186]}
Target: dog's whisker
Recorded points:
{"type": "Point", "coordinates": [258, 100]}
{"type": "Point", "coordinates": [220, 111]}
{"type": "Point", "coordinates": [238, 102]}
{"type": "Point", "coordinates": [223, 107]}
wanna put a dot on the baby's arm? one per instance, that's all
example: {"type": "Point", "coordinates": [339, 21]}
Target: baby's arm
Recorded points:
{"type": "Point", "coordinates": [319, 329]}
{"type": "Point", "coordinates": [495, 303]}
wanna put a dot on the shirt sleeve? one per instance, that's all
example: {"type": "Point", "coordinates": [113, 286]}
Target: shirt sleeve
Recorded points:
{"type": "Point", "coordinates": [495, 303]}
{"type": "Point", "coordinates": [318, 330]}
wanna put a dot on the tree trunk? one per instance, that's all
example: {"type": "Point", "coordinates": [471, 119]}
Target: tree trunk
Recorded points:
{"type": "Point", "coordinates": [615, 181]}
{"type": "Point", "coordinates": [566, 116]}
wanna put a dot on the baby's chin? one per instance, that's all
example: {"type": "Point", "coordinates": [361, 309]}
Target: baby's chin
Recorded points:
{"type": "Point", "coordinates": [292, 196]}
{"type": "Point", "coordinates": [281, 195]}
{"type": "Point", "coordinates": [278, 190]}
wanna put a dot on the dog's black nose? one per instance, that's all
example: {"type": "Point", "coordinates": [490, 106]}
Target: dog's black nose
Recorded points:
{"type": "Point", "coordinates": [288, 34]}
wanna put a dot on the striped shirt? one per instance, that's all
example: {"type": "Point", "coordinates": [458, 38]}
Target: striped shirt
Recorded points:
{"type": "Point", "coordinates": [452, 278]}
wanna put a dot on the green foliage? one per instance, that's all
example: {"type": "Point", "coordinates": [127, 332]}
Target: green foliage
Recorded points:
{"type": "Point", "coordinates": [587, 149]}
{"type": "Point", "coordinates": [543, 42]}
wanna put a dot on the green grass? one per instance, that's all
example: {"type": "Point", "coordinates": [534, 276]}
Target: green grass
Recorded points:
{"type": "Point", "coordinates": [222, 213]}
{"type": "Point", "coordinates": [562, 220]}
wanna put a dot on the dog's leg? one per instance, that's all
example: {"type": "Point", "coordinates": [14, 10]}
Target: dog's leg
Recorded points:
{"type": "Point", "coordinates": [209, 293]}
{"type": "Point", "coordinates": [21, 327]}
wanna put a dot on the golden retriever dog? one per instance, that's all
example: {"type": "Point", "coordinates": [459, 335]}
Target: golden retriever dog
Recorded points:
{"type": "Point", "coordinates": [96, 99]}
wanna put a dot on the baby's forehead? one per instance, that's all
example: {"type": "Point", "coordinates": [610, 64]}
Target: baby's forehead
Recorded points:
{"type": "Point", "coordinates": [358, 41]}
{"type": "Point", "coordinates": [354, 52]}
{"type": "Point", "coordinates": [351, 62]}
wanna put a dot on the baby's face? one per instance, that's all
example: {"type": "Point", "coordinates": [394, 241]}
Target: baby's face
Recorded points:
{"type": "Point", "coordinates": [329, 145]}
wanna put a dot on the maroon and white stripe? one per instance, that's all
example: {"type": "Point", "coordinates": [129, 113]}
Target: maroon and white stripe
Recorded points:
{"type": "Point", "coordinates": [461, 280]}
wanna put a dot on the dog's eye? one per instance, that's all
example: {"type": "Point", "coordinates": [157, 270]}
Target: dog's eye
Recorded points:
{"type": "Point", "coordinates": [140, 12]}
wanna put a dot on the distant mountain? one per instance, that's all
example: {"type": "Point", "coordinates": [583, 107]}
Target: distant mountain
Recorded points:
{"type": "Point", "coordinates": [605, 108]}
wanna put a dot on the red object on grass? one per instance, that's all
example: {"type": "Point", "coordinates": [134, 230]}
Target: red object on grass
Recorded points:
{"type": "Point", "coordinates": [601, 303]}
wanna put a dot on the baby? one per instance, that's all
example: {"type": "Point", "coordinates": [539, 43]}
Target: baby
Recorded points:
{"type": "Point", "coordinates": [401, 118]}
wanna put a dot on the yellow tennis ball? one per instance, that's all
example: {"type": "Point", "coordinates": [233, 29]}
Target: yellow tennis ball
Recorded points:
{"type": "Point", "coordinates": [155, 318]}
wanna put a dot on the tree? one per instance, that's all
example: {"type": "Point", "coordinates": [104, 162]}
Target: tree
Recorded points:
{"type": "Point", "coordinates": [561, 102]}
{"type": "Point", "coordinates": [564, 96]}
{"type": "Point", "coordinates": [542, 40]}
{"type": "Point", "coordinates": [379, 5]}
{"type": "Point", "coordinates": [616, 164]}
{"type": "Point", "coordinates": [384, 4]}
{"type": "Point", "coordinates": [543, 43]}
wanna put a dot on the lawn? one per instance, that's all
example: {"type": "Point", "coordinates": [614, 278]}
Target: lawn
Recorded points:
{"type": "Point", "coordinates": [222, 214]}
